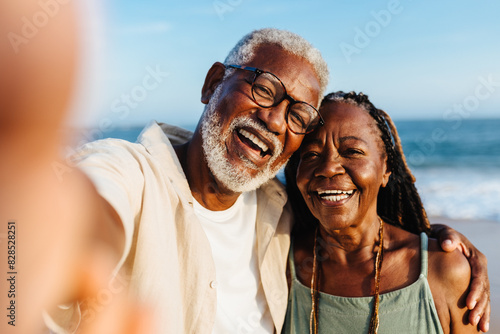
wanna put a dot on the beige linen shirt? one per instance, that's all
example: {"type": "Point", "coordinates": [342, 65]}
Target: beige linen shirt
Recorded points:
{"type": "Point", "coordinates": [167, 257]}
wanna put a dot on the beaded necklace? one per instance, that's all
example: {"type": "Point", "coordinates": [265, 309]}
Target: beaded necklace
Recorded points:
{"type": "Point", "coordinates": [374, 321]}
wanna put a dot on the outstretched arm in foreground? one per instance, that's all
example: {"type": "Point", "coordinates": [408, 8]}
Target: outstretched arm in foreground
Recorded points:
{"type": "Point", "coordinates": [64, 240]}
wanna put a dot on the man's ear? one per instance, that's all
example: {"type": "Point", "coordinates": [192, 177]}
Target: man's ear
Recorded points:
{"type": "Point", "coordinates": [212, 80]}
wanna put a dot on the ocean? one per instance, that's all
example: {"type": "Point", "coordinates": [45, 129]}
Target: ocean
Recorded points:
{"type": "Point", "coordinates": [456, 164]}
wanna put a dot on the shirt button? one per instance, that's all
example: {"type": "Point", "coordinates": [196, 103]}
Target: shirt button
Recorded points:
{"type": "Point", "coordinates": [214, 284]}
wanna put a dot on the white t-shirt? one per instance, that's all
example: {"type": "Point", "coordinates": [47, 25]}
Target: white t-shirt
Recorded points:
{"type": "Point", "coordinates": [241, 304]}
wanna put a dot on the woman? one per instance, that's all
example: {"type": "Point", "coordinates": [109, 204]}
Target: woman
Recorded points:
{"type": "Point", "coordinates": [361, 261]}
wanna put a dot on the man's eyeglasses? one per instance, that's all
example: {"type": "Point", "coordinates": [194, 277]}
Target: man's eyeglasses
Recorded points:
{"type": "Point", "coordinates": [269, 91]}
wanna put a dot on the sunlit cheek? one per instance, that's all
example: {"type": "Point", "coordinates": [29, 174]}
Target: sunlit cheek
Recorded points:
{"type": "Point", "coordinates": [292, 142]}
{"type": "Point", "coordinates": [370, 179]}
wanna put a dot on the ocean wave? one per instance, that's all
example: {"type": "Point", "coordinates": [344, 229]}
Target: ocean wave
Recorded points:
{"type": "Point", "coordinates": [460, 192]}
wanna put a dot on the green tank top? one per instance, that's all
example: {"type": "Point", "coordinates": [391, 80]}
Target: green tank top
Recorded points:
{"type": "Point", "coordinates": [408, 310]}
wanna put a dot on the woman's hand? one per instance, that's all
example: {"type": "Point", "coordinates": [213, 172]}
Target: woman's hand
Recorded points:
{"type": "Point", "coordinates": [478, 299]}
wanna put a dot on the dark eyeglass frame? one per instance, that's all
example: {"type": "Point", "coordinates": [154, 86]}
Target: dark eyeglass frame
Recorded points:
{"type": "Point", "coordinates": [258, 72]}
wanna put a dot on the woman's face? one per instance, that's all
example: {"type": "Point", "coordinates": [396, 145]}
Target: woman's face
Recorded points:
{"type": "Point", "coordinates": [342, 167]}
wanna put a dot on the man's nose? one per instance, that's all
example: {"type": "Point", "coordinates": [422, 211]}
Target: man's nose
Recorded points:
{"type": "Point", "coordinates": [275, 117]}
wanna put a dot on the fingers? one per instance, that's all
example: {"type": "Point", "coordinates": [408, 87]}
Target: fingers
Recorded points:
{"type": "Point", "coordinates": [449, 245]}
{"type": "Point", "coordinates": [480, 315]}
{"type": "Point", "coordinates": [484, 323]}
{"type": "Point", "coordinates": [478, 300]}
{"type": "Point", "coordinates": [480, 284]}
{"type": "Point", "coordinates": [450, 239]}
{"type": "Point", "coordinates": [121, 314]}
{"type": "Point", "coordinates": [120, 317]}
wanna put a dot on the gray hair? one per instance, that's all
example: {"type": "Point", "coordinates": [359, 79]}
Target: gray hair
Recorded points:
{"type": "Point", "coordinates": [244, 51]}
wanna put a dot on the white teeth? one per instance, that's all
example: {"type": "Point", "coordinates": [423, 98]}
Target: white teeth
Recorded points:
{"type": "Point", "coordinates": [335, 195]}
{"type": "Point", "coordinates": [335, 198]}
{"type": "Point", "coordinates": [327, 192]}
{"type": "Point", "coordinates": [254, 140]}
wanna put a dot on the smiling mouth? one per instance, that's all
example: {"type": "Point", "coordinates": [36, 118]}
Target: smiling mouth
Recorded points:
{"type": "Point", "coordinates": [335, 195]}
{"type": "Point", "coordinates": [254, 142]}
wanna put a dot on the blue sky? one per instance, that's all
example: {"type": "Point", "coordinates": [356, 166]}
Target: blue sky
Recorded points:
{"type": "Point", "coordinates": [415, 59]}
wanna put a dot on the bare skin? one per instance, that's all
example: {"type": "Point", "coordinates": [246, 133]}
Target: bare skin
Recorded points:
{"type": "Point", "coordinates": [302, 84]}
{"type": "Point", "coordinates": [347, 155]}
{"type": "Point", "coordinates": [74, 263]}
{"type": "Point", "coordinates": [347, 269]}
{"type": "Point", "coordinates": [67, 237]}
{"type": "Point", "coordinates": [480, 308]}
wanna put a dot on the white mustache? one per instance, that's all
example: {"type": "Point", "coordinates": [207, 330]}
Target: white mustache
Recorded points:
{"type": "Point", "coordinates": [263, 132]}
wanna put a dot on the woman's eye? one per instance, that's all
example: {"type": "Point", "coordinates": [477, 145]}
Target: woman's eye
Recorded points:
{"type": "Point", "coordinates": [353, 152]}
{"type": "Point", "coordinates": [308, 156]}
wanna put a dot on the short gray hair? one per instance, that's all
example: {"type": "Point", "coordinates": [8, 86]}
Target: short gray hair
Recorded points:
{"type": "Point", "coordinates": [244, 51]}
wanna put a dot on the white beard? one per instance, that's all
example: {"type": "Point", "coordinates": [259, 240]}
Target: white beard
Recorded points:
{"type": "Point", "coordinates": [237, 179]}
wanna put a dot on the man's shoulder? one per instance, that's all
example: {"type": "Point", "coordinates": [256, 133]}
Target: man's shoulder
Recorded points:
{"type": "Point", "coordinates": [121, 153]}
{"type": "Point", "coordinates": [156, 132]}
{"type": "Point", "coordinates": [108, 146]}
{"type": "Point", "coordinates": [175, 134]}
{"type": "Point", "coordinates": [272, 186]}
{"type": "Point", "coordinates": [273, 191]}
{"type": "Point", "coordinates": [153, 135]}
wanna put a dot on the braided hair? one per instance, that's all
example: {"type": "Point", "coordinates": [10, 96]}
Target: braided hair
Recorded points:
{"type": "Point", "coordinates": [398, 203]}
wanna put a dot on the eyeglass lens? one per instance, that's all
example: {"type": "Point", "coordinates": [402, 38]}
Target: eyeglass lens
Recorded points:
{"type": "Point", "coordinates": [268, 91]}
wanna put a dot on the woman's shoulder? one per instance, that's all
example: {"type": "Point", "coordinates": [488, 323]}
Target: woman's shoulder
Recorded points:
{"type": "Point", "coordinates": [449, 279]}
{"type": "Point", "coordinates": [451, 269]}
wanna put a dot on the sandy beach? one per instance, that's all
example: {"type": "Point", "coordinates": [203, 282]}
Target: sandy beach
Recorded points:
{"type": "Point", "coordinates": [486, 236]}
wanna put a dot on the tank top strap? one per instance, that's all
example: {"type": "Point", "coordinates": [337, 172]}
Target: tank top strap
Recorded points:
{"type": "Point", "coordinates": [291, 262]}
{"type": "Point", "coordinates": [424, 246]}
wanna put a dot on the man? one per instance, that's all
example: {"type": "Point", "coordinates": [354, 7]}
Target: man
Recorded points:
{"type": "Point", "coordinates": [170, 199]}
{"type": "Point", "coordinates": [200, 228]}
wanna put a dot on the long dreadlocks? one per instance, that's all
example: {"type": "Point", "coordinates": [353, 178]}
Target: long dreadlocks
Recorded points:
{"type": "Point", "coordinates": [398, 203]}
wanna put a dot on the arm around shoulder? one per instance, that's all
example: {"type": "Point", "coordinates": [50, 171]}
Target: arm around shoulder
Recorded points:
{"type": "Point", "coordinates": [449, 279]}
